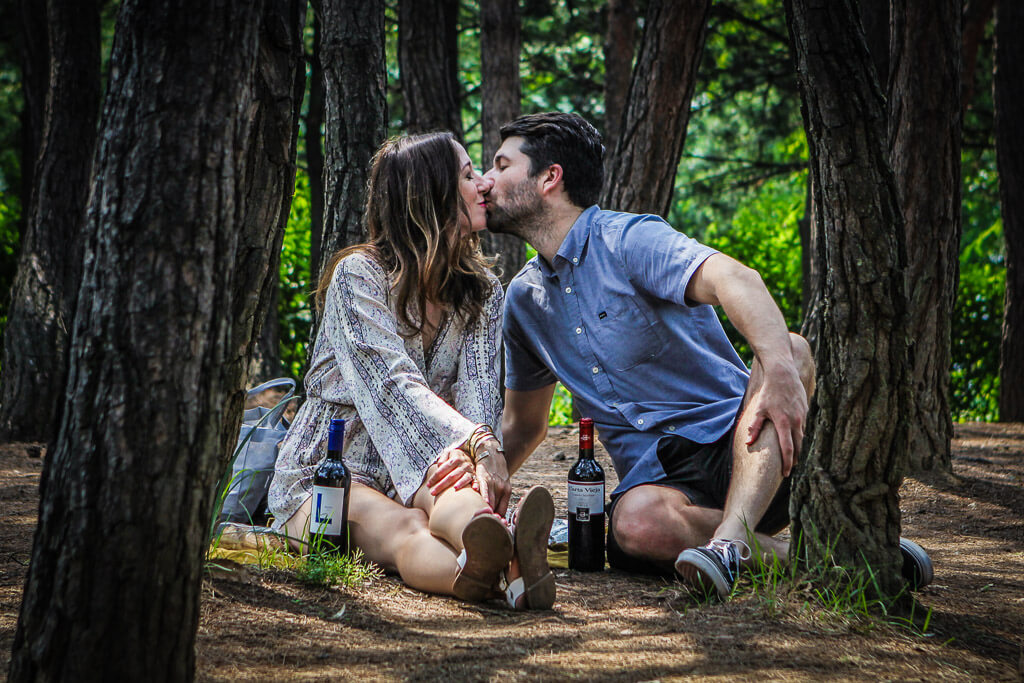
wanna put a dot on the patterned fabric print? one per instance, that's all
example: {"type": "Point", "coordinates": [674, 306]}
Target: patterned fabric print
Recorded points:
{"type": "Point", "coordinates": [402, 404]}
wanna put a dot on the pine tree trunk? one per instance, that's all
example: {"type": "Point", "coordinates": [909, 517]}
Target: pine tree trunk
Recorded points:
{"type": "Point", "coordinates": [45, 287]}
{"type": "Point", "coordinates": [619, 41]}
{"type": "Point", "coordinates": [1009, 103]}
{"type": "Point", "coordinates": [875, 18]}
{"type": "Point", "coordinates": [352, 56]}
{"type": "Point", "coordinates": [924, 144]}
{"type": "Point", "coordinates": [846, 490]}
{"type": "Point", "coordinates": [640, 174]}
{"type": "Point", "coordinates": [176, 270]}
{"type": "Point", "coordinates": [428, 61]}
{"type": "Point", "coordinates": [500, 44]}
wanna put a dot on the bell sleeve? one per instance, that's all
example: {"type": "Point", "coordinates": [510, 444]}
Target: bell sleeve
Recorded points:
{"type": "Point", "coordinates": [477, 389]}
{"type": "Point", "coordinates": [408, 424]}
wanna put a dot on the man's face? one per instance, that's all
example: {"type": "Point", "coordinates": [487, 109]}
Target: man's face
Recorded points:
{"type": "Point", "coordinates": [513, 202]}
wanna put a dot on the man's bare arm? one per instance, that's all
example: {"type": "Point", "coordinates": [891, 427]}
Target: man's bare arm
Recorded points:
{"type": "Point", "coordinates": [740, 291]}
{"type": "Point", "coordinates": [525, 423]}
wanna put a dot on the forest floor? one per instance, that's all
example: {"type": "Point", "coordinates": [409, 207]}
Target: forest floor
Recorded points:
{"type": "Point", "coordinates": [265, 625]}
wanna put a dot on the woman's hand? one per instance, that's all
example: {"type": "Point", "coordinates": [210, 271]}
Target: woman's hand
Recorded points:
{"type": "Point", "coordinates": [454, 470]}
{"type": "Point", "coordinates": [492, 476]}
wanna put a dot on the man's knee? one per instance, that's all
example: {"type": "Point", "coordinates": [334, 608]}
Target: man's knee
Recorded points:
{"type": "Point", "coordinates": [804, 359]}
{"type": "Point", "coordinates": [640, 532]}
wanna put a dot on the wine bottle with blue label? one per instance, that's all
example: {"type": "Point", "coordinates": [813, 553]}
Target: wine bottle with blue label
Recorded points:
{"type": "Point", "coordinates": [328, 522]}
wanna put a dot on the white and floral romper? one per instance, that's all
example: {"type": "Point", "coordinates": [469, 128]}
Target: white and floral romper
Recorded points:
{"type": "Point", "coordinates": [402, 404]}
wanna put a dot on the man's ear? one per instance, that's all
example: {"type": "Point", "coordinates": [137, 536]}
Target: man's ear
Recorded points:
{"type": "Point", "coordinates": [551, 179]}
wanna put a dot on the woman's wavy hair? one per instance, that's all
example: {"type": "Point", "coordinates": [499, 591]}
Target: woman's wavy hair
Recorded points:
{"type": "Point", "coordinates": [412, 219]}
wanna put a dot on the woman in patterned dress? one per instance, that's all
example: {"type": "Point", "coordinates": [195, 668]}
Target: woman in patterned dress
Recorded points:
{"type": "Point", "coordinates": [407, 353]}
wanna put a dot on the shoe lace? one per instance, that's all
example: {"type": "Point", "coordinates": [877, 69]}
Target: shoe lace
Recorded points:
{"type": "Point", "coordinates": [732, 554]}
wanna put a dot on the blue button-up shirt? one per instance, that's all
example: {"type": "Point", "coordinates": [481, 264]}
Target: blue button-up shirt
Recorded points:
{"type": "Point", "coordinates": [609, 319]}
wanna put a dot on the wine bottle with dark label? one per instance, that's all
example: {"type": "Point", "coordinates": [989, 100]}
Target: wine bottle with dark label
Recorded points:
{"type": "Point", "coordinates": [586, 506]}
{"type": "Point", "coordinates": [328, 522]}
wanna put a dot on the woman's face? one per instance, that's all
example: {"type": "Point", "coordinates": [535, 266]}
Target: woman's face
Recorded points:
{"type": "Point", "coordinates": [472, 187]}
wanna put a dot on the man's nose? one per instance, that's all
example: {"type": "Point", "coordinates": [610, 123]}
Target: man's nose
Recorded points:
{"type": "Point", "coordinates": [486, 182]}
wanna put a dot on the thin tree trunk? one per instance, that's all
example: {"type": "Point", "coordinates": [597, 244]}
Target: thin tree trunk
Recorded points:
{"type": "Point", "coordinates": [846, 491]}
{"type": "Point", "coordinates": [428, 62]}
{"type": "Point", "coordinates": [315, 148]}
{"type": "Point", "coordinates": [175, 275]}
{"type": "Point", "coordinates": [1009, 103]}
{"type": "Point", "coordinates": [352, 56]}
{"type": "Point", "coordinates": [640, 174]}
{"type": "Point", "coordinates": [924, 146]}
{"type": "Point", "coordinates": [35, 83]}
{"type": "Point", "coordinates": [49, 270]}
{"type": "Point", "coordinates": [976, 15]}
{"type": "Point", "coordinates": [619, 41]}
{"type": "Point", "coordinates": [500, 44]}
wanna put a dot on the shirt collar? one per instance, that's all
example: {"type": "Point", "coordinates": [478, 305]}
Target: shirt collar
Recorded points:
{"type": "Point", "coordinates": [571, 249]}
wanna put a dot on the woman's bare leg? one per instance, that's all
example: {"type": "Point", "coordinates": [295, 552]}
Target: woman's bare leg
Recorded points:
{"type": "Point", "coordinates": [393, 536]}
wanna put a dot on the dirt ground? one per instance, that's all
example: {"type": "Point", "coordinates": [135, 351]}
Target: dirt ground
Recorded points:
{"type": "Point", "coordinates": [611, 626]}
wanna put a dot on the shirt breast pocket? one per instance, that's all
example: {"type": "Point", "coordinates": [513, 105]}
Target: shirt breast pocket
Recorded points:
{"type": "Point", "coordinates": [625, 335]}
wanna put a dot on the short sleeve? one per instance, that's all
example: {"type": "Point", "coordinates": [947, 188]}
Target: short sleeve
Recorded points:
{"type": "Point", "coordinates": [524, 369]}
{"type": "Point", "coordinates": [658, 259]}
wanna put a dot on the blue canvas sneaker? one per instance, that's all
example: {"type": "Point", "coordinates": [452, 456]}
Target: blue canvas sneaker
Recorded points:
{"type": "Point", "coordinates": [713, 567]}
{"type": "Point", "coordinates": [917, 566]}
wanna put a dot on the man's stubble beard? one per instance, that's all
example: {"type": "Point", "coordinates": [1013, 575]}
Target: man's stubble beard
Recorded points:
{"type": "Point", "coordinates": [522, 214]}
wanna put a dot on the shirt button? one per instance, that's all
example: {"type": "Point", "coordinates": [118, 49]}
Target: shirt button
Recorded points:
{"type": "Point", "coordinates": [596, 369]}
{"type": "Point", "coordinates": [579, 330]}
{"type": "Point", "coordinates": [640, 421]}
{"type": "Point", "coordinates": [671, 428]}
{"type": "Point", "coordinates": [575, 259]}
{"type": "Point", "coordinates": [568, 290]}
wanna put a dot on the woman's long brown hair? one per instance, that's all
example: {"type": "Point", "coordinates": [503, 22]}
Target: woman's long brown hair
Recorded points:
{"type": "Point", "coordinates": [412, 218]}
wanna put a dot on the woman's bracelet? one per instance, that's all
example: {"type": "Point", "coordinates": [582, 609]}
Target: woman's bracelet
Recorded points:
{"type": "Point", "coordinates": [480, 434]}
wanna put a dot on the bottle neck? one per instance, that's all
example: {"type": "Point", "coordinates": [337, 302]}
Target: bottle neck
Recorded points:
{"type": "Point", "coordinates": [586, 453]}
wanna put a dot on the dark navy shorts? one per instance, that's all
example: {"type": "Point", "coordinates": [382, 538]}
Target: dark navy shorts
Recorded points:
{"type": "Point", "coordinates": [702, 472]}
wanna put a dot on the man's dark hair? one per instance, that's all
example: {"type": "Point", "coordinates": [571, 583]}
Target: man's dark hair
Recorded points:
{"type": "Point", "coordinates": [567, 140]}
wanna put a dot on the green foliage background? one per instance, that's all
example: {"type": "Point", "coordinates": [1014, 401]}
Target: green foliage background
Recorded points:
{"type": "Point", "coordinates": [740, 185]}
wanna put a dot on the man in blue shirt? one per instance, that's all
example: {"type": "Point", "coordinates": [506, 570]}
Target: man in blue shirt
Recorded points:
{"type": "Point", "coordinates": [618, 307]}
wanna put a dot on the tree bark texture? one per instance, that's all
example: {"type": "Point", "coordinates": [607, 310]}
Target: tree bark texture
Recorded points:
{"type": "Point", "coordinates": [640, 174]}
{"type": "Point", "coordinates": [177, 263]}
{"type": "Point", "coordinates": [924, 149]}
{"type": "Point", "coordinates": [619, 42]}
{"type": "Point", "coordinates": [428, 57]}
{"type": "Point", "coordinates": [352, 56]}
{"type": "Point", "coordinates": [875, 18]}
{"type": "Point", "coordinates": [280, 83]}
{"type": "Point", "coordinates": [35, 344]}
{"type": "Point", "coordinates": [1009, 103]}
{"type": "Point", "coordinates": [846, 490]}
{"type": "Point", "coordinates": [500, 43]}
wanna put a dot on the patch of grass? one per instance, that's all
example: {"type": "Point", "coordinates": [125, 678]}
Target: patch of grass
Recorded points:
{"type": "Point", "coordinates": [827, 590]}
{"type": "Point", "coordinates": [332, 569]}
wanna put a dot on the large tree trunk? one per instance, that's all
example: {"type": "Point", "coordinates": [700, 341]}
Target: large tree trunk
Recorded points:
{"type": "Point", "coordinates": [1009, 103]}
{"type": "Point", "coordinates": [640, 174]}
{"type": "Point", "coordinates": [875, 18]}
{"type": "Point", "coordinates": [178, 261]}
{"type": "Point", "coordinates": [352, 56]}
{"type": "Point", "coordinates": [619, 41]}
{"type": "Point", "coordinates": [846, 492]}
{"type": "Point", "coordinates": [49, 270]}
{"type": "Point", "coordinates": [500, 43]}
{"type": "Point", "coordinates": [924, 147]}
{"type": "Point", "coordinates": [428, 56]}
